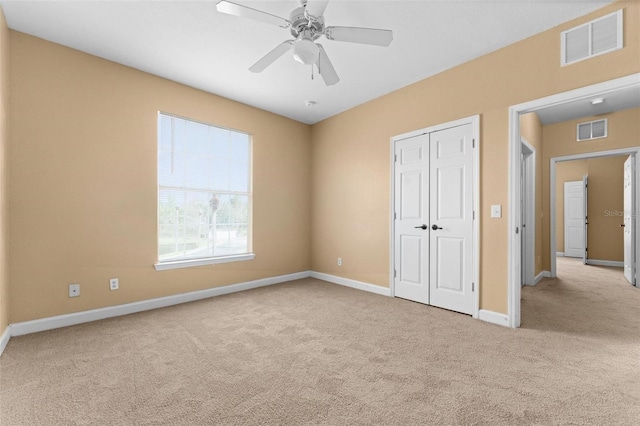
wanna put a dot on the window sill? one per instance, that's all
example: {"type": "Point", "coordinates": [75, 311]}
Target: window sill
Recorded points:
{"type": "Point", "coordinates": [176, 264]}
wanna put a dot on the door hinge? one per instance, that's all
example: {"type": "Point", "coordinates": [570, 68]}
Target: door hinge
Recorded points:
{"type": "Point", "coordinates": [473, 215]}
{"type": "Point", "coordinates": [473, 286]}
{"type": "Point", "coordinates": [517, 230]}
{"type": "Point", "coordinates": [395, 215]}
{"type": "Point", "coordinates": [394, 273]}
{"type": "Point", "coordinates": [473, 143]}
{"type": "Point", "coordinates": [395, 158]}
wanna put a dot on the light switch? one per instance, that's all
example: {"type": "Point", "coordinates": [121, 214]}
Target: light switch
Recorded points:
{"type": "Point", "coordinates": [496, 210]}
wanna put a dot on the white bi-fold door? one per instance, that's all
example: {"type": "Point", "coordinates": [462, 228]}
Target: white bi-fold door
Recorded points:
{"type": "Point", "coordinates": [433, 226]}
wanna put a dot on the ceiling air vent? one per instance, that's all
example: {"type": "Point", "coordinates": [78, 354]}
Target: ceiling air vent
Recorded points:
{"type": "Point", "coordinates": [592, 130]}
{"type": "Point", "coordinates": [602, 35]}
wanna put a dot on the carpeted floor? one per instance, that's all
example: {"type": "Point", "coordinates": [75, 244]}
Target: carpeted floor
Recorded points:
{"type": "Point", "coordinates": [310, 352]}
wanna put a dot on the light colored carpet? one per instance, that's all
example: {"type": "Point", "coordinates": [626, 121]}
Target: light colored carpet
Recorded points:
{"type": "Point", "coordinates": [310, 352]}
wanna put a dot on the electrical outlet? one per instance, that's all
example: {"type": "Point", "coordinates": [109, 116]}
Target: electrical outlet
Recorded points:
{"type": "Point", "coordinates": [339, 261]}
{"type": "Point", "coordinates": [74, 290]}
{"type": "Point", "coordinates": [114, 284]}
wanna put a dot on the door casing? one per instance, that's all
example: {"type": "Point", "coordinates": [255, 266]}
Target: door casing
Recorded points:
{"type": "Point", "coordinates": [475, 122]}
{"type": "Point", "coordinates": [529, 213]}
{"type": "Point", "coordinates": [634, 152]}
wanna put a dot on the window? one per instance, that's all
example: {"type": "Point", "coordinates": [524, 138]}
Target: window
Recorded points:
{"type": "Point", "coordinates": [204, 194]}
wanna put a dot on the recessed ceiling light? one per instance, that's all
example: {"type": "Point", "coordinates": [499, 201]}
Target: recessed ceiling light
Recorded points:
{"type": "Point", "coordinates": [597, 101]}
{"type": "Point", "coordinates": [310, 103]}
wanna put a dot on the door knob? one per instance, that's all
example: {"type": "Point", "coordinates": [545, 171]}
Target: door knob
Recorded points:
{"type": "Point", "coordinates": [435, 227]}
{"type": "Point", "coordinates": [421, 227]}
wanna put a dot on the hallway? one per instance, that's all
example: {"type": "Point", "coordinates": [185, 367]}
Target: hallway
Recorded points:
{"type": "Point", "coordinates": [586, 300]}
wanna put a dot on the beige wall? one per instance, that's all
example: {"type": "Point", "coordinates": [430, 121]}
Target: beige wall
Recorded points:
{"type": "Point", "coordinates": [82, 177]}
{"type": "Point", "coordinates": [606, 237]}
{"type": "Point", "coordinates": [560, 140]}
{"type": "Point", "coordinates": [4, 112]}
{"type": "Point", "coordinates": [531, 130]}
{"type": "Point", "coordinates": [350, 152]}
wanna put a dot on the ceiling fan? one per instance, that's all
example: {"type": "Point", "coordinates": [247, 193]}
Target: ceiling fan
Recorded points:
{"type": "Point", "coordinates": [306, 25]}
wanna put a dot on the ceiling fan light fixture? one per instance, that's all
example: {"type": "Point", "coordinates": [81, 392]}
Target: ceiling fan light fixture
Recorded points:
{"type": "Point", "coordinates": [305, 51]}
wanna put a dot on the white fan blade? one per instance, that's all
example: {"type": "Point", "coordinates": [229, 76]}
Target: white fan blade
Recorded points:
{"type": "Point", "coordinates": [360, 35]}
{"type": "Point", "coordinates": [315, 8]}
{"type": "Point", "coordinates": [326, 70]}
{"type": "Point", "coordinates": [255, 14]}
{"type": "Point", "coordinates": [271, 57]}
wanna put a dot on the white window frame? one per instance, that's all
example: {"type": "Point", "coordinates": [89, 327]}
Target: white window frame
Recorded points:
{"type": "Point", "coordinates": [202, 261]}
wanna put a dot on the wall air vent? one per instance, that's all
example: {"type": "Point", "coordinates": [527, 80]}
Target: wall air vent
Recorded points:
{"type": "Point", "coordinates": [600, 36]}
{"type": "Point", "coordinates": [592, 130]}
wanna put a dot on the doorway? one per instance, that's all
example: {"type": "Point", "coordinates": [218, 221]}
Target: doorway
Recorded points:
{"type": "Point", "coordinates": [434, 229]}
{"type": "Point", "coordinates": [628, 185]}
{"type": "Point", "coordinates": [515, 221]}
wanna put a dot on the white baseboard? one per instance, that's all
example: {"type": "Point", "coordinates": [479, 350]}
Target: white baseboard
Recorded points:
{"type": "Point", "coordinates": [66, 320]}
{"type": "Point", "coordinates": [540, 276]}
{"type": "Point", "coordinates": [4, 339]}
{"type": "Point", "coordinates": [359, 285]}
{"type": "Point", "coordinates": [494, 317]}
{"type": "Point", "coordinates": [614, 263]}
{"type": "Point", "coordinates": [560, 254]}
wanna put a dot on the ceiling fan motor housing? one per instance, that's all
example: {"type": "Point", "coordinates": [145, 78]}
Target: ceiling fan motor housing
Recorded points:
{"type": "Point", "coordinates": [301, 22]}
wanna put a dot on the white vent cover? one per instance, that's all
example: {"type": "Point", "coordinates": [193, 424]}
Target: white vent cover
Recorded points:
{"type": "Point", "coordinates": [602, 35]}
{"type": "Point", "coordinates": [592, 130]}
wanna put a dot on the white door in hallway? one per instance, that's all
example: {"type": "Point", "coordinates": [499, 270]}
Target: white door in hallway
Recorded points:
{"type": "Point", "coordinates": [574, 219]}
{"type": "Point", "coordinates": [434, 219]}
{"type": "Point", "coordinates": [628, 221]}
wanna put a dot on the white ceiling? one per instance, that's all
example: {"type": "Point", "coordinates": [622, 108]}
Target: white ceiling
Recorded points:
{"type": "Point", "coordinates": [612, 101]}
{"type": "Point", "coordinates": [192, 43]}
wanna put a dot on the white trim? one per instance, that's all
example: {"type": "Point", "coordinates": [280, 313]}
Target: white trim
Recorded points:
{"type": "Point", "coordinates": [4, 339]}
{"type": "Point", "coordinates": [475, 122]}
{"type": "Point", "coordinates": [176, 264]}
{"type": "Point", "coordinates": [514, 219]}
{"type": "Point", "coordinates": [66, 320]}
{"type": "Point", "coordinates": [529, 255]}
{"type": "Point", "coordinates": [540, 276]}
{"type": "Point", "coordinates": [358, 285]}
{"type": "Point", "coordinates": [559, 254]}
{"type": "Point", "coordinates": [612, 263]}
{"type": "Point", "coordinates": [477, 216]}
{"type": "Point", "coordinates": [494, 317]}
